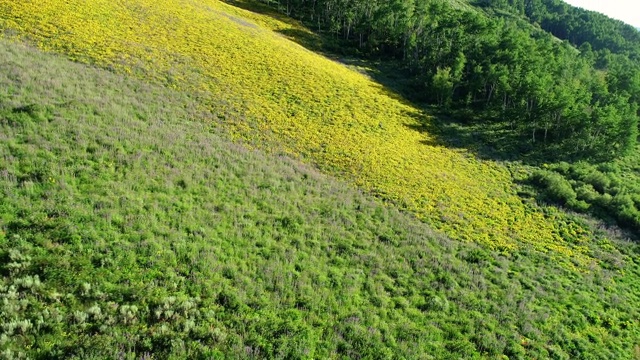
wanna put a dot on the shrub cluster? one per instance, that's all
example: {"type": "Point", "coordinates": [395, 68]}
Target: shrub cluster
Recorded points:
{"type": "Point", "coordinates": [608, 190]}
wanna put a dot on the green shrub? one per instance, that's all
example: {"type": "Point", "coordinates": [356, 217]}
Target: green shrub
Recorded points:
{"type": "Point", "coordinates": [604, 201]}
{"type": "Point", "coordinates": [587, 193]}
{"type": "Point", "coordinates": [609, 167]}
{"type": "Point", "coordinates": [599, 181]}
{"type": "Point", "coordinates": [555, 186]}
{"type": "Point", "coordinates": [579, 205]}
{"type": "Point", "coordinates": [629, 216]}
{"type": "Point", "coordinates": [622, 202]}
{"type": "Point", "coordinates": [563, 168]}
{"type": "Point", "coordinates": [580, 170]}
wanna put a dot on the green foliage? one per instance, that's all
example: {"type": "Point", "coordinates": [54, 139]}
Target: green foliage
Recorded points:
{"type": "Point", "coordinates": [610, 190]}
{"type": "Point", "coordinates": [557, 187]}
{"type": "Point", "coordinates": [131, 227]}
{"type": "Point", "coordinates": [504, 68]}
{"type": "Point", "coordinates": [598, 181]}
{"type": "Point", "coordinates": [443, 86]}
{"type": "Point", "coordinates": [237, 62]}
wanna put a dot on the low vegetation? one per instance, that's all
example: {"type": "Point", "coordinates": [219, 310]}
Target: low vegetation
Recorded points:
{"type": "Point", "coordinates": [130, 228]}
{"type": "Point", "coordinates": [164, 195]}
{"type": "Point", "coordinates": [610, 190]}
{"type": "Point", "coordinates": [274, 93]}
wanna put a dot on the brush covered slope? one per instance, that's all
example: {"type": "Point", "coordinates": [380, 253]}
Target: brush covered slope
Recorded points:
{"type": "Point", "coordinates": [274, 92]}
{"type": "Point", "coordinates": [130, 228]}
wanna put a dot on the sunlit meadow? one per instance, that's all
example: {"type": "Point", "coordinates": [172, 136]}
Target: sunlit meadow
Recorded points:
{"type": "Point", "coordinates": [131, 227]}
{"type": "Point", "coordinates": [274, 93]}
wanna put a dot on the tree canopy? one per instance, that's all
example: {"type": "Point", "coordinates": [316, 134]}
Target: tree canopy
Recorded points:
{"type": "Point", "coordinates": [565, 79]}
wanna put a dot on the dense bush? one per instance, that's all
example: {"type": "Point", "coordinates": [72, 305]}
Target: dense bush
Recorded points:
{"type": "Point", "coordinates": [598, 190]}
{"type": "Point", "coordinates": [557, 188]}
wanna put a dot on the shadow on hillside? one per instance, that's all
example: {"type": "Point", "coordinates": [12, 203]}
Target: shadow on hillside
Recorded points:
{"type": "Point", "coordinates": [307, 39]}
{"type": "Point", "coordinates": [489, 140]}
{"type": "Point", "coordinates": [263, 9]}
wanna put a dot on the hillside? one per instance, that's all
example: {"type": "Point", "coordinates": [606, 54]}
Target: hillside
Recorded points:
{"type": "Point", "coordinates": [537, 82]}
{"type": "Point", "coordinates": [551, 82]}
{"type": "Point", "coordinates": [275, 93]}
{"type": "Point", "coordinates": [131, 226]}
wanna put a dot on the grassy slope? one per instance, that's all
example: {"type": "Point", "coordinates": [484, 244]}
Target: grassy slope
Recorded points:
{"type": "Point", "coordinates": [130, 230]}
{"type": "Point", "coordinates": [92, 208]}
{"type": "Point", "coordinates": [271, 91]}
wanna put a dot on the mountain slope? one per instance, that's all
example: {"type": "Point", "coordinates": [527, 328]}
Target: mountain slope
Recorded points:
{"type": "Point", "coordinates": [131, 228]}
{"type": "Point", "coordinates": [273, 92]}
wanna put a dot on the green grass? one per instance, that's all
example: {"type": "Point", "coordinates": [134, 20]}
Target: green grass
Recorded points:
{"type": "Point", "coordinates": [276, 94]}
{"type": "Point", "coordinates": [131, 227]}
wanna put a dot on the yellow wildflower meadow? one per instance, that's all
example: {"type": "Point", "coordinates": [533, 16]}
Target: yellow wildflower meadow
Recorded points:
{"type": "Point", "coordinates": [270, 90]}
